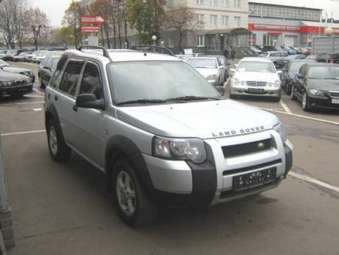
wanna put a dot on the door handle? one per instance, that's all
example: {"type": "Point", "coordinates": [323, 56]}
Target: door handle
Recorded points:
{"type": "Point", "coordinates": [75, 108]}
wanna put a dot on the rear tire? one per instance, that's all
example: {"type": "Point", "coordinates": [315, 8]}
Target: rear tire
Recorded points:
{"type": "Point", "coordinates": [129, 197]}
{"type": "Point", "coordinates": [58, 149]}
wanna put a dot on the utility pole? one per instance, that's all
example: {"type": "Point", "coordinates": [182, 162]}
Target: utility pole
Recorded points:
{"type": "Point", "coordinates": [36, 35]}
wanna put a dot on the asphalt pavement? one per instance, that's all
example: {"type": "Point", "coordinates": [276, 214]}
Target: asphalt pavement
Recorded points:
{"type": "Point", "coordinates": [63, 208]}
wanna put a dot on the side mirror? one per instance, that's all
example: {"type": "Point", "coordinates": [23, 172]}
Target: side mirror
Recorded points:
{"type": "Point", "coordinates": [89, 101]}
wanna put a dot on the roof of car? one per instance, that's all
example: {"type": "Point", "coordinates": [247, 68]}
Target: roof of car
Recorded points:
{"type": "Point", "coordinates": [254, 59]}
{"type": "Point", "coordinates": [122, 55]}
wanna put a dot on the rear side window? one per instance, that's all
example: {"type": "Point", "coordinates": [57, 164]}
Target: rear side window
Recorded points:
{"type": "Point", "coordinates": [91, 82]}
{"type": "Point", "coordinates": [71, 77]}
{"type": "Point", "coordinates": [57, 74]}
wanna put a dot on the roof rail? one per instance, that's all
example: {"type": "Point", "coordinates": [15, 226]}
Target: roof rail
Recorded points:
{"type": "Point", "coordinates": [104, 50]}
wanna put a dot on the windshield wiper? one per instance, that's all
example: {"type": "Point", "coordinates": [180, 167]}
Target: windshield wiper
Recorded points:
{"type": "Point", "coordinates": [192, 98]}
{"type": "Point", "coordinates": [142, 101]}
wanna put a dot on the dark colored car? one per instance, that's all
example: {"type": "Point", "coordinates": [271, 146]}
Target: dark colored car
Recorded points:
{"type": "Point", "coordinates": [289, 74]}
{"type": "Point", "coordinates": [46, 69]}
{"type": "Point", "coordinates": [317, 86]}
{"type": "Point", "coordinates": [15, 85]}
{"type": "Point", "coordinates": [18, 70]}
{"type": "Point", "coordinates": [328, 58]}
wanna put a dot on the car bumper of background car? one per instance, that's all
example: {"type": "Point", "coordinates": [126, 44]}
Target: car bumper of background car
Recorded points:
{"type": "Point", "coordinates": [13, 90]}
{"type": "Point", "coordinates": [262, 92]}
{"type": "Point", "coordinates": [324, 102]}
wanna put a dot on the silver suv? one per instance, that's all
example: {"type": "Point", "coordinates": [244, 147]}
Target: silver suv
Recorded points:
{"type": "Point", "coordinates": [162, 135]}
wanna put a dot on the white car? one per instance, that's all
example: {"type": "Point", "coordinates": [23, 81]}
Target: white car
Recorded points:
{"type": "Point", "coordinates": [210, 68]}
{"type": "Point", "coordinates": [255, 77]}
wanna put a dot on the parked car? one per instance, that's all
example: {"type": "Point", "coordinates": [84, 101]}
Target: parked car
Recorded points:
{"type": "Point", "coordinates": [328, 58]}
{"type": "Point", "coordinates": [3, 53]}
{"type": "Point", "coordinates": [15, 85]}
{"type": "Point", "coordinates": [211, 68]}
{"type": "Point", "coordinates": [255, 77]}
{"type": "Point", "coordinates": [138, 118]}
{"type": "Point", "coordinates": [4, 66]}
{"type": "Point", "coordinates": [10, 55]}
{"type": "Point", "coordinates": [289, 73]}
{"type": "Point", "coordinates": [39, 56]}
{"type": "Point", "coordinates": [46, 69]}
{"type": "Point", "coordinates": [21, 57]}
{"type": "Point", "coordinates": [317, 86]}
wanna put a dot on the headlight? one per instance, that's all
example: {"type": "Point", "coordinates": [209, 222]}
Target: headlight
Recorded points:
{"type": "Point", "coordinates": [5, 83]}
{"type": "Point", "coordinates": [238, 83]}
{"type": "Point", "coordinates": [316, 92]}
{"type": "Point", "coordinates": [280, 128]}
{"type": "Point", "coordinates": [180, 149]}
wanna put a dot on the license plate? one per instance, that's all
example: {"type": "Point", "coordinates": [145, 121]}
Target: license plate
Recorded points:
{"type": "Point", "coordinates": [253, 180]}
{"type": "Point", "coordinates": [335, 101]}
{"type": "Point", "coordinates": [257, 91]}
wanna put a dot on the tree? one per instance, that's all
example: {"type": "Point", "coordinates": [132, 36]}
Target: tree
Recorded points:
{"type": "Point", "coordinates": [72, 20]}
{"type": "Point", "coordinates": [181, 20]}
{"type": "Point", "coordinates": [146, 17]}
{"type": "Point", "coordinates": [36, 23]}
{"type": "Point", "coordinates": [10, 20]}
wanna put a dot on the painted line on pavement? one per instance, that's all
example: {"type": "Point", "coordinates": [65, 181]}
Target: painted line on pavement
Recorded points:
{"type": "Point", "coordinates": [285, 107]}
{"type": "Point", "coordinates": [302, 116]}
{"type": "Point", "coordinates": [37, 109]}
{"type": "Point", "coordinates": [25, 103]}
{"type": "Point", "coordinates": [38, 92]}
{"type": "Point", "coordinates": [24, 133]}
{"type": "Point", "coordinates": [314, 181]}
{"type": "Point", "coordinates": [34, 96]}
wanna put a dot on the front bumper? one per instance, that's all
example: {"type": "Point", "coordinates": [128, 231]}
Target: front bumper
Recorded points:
{"type": "Point", "coordinates": [182, 183]}
{"type": "Point", "coordinates": [15, 90]}
{"type": "Point", "coordinates": [323, 102]}
{"type": "Point", "coordinates": [262, 92]}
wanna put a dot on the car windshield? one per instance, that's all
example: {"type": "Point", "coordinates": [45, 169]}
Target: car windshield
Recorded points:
{"type": "Point", "coordinates": [157, 80]}
{"type": "Point", "coordinates": [295, 66]}
{"type": "Point", "coordinates": [324, 72]}
{"type": "Point", "coordinates": [203, 62]}
{"type": "Point", "coordinates": [252, 66]}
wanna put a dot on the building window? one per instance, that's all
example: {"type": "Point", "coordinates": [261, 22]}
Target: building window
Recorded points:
{"type": "Point", "coordinates": [215, 3]}
{"type": "Point", "coordinates": [200, 40]}
{"type": "Point", "coordinates": [224, 20]}
{"type": "Point", "coordinates": [199, 2]}
{"type": "Point", "coordinates": [237, 21]}
{"type": "Point", "coordinates": [201, 18]}
{"type": "Point", "coordinates": [237, 4]}
{"type": "Point", "coordinates": [213, 20]}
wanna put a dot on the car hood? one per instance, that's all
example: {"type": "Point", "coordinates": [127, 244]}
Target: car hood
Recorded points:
{"type": "Point", "coordinates": [208, 119]}
{"type": "Point", "coordinates": [8, 76]}
{"type": "Point", "coordinates": [15, 69]}
{"type": "Point", "coordinates": [256, 76]}
{"type": "Point", "coordinates": [328, 85]}
{"type": "Point", "coordinates": [205, 72]}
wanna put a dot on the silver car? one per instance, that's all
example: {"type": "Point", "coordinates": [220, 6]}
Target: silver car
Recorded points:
{"type": "Point", "coordinates": [160, 132]}
{"type": "Point", "coordinates": [211, 68]}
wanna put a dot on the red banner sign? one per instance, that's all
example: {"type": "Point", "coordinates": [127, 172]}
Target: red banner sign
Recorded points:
{"type": "Point", "coordinates": [90, 29]}
{"type": "Point", "coordinates": [91, 20]}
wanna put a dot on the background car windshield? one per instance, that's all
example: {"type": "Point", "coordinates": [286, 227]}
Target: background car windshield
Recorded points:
{"type": "Point", "coordinates": [157, 80]}
{"type": "Point", "coordinates": [324, 72]}
{"type": "Point", "coordinates": [261, 67]}
{"type": "Point", "coordinates": [202, 63]}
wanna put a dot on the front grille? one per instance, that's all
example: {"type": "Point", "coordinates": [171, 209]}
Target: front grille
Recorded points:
{"type": "Point", "coordinates": [256, 83]}
{"type": "Point", "coordinates": [334, 93]}
{"type": "Point", "coordinates": [251, 168]}
{"type": "Point", "coordinates": [247, 148]}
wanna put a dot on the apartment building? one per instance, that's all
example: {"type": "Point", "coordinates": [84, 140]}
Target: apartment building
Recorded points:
{"type": "Point", "coordinates": [222, 23]}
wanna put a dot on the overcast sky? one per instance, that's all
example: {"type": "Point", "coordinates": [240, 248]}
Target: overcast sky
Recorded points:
{"type": "Point", "coordinates": [55, 8]}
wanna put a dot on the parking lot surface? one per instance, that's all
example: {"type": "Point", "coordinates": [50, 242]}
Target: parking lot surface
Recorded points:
{"type": "Point", "coordinates": [63, 208]}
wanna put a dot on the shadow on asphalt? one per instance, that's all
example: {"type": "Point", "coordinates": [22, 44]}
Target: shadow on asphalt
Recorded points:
{"type": "Point", "coordinates": [233, 215]}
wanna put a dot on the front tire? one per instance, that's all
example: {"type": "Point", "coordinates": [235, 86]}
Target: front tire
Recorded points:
{"type": "Point", "coordinates": [129, 197]}
{"type": "Point", "coordinates": [58, 149]}
{"type": "Point", "coordinates": [305, 103]}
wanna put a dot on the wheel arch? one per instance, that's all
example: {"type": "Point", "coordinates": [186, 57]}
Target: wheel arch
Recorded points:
{"type": "Point", "coordinates": [123, 147]}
